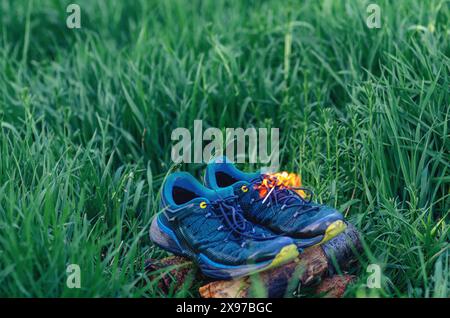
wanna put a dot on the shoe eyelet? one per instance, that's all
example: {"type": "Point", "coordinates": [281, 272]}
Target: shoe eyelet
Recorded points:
{"type": "Point", "coordinates": [203, 205]}
{"type": "Point", "coordinates": [244, 188]}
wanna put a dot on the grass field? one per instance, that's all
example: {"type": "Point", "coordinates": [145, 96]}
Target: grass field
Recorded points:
{"type": "Point", "coordinates": [87, 114]}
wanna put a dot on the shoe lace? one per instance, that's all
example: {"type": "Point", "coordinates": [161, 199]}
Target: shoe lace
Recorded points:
{"type": "Point", "coordinates": [286, 196]}
{"type": "Point", "coordinates": [233, 219]}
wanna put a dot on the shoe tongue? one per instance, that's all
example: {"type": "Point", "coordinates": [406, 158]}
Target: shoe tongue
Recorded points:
{"type": "Point", "coordinates": [225, 193]}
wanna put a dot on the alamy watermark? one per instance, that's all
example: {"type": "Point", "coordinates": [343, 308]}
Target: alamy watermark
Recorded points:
{"type": "Point", "coordinates": [73, 276]}
{"type": "Point", "coordinates": [238, 144]}
{"type": "Point", "coordinates": [373, 21]}
{"type": "Point", "coordinates": [73, 20]}
{"type": "Point", "coordinates": [374, 279]}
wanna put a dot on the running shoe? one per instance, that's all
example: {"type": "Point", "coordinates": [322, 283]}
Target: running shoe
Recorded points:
{"type": "Point", "coordinates": [277, 203]}
{"type": "Point", "coordinates": [209, 227]}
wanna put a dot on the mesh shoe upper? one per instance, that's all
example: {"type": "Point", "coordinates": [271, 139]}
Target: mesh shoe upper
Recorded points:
{"type": "Point", "coordinates": [282, 210]}
{"type": "Point", "coordinates": [212, 223]}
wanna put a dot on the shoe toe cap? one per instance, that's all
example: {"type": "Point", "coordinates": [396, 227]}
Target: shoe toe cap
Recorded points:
{"type": "Point", "coordinates": [267, 250]}
{"type": "Point", "coordinates": [319, 224]}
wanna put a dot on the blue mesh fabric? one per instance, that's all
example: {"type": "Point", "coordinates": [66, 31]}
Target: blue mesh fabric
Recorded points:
{"type": "Point", "coordinates": [295, 221]}
{"type": "Point", "coordinates": [218, 230]}
{"type": "Point", "coordinates": [283, 213]}
{"type": "Point", "coordinates": [209, 235]}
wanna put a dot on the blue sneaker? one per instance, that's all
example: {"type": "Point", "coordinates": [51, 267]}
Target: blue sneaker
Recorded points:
{"type": "Point", "coordinates": [267, 200]}
{"type": "Point", "coordinates": [208, 226]}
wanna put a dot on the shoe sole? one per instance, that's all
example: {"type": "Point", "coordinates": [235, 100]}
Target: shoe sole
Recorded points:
{"type": "Point", "coordinates": [165, 238]}
{"type": "Point", "coordinates": [334, 229]}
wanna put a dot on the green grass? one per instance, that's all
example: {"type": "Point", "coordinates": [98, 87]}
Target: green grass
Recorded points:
{"type": "Point", "coordinates": [86, 118]}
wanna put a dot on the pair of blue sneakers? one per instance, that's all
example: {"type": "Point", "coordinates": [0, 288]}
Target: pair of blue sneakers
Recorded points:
{"type": "Point", "coordinates": [238, 224]}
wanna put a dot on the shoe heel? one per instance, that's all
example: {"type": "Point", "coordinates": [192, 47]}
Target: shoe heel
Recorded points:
{"type": "Point", "coordinates": [164, 237]}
